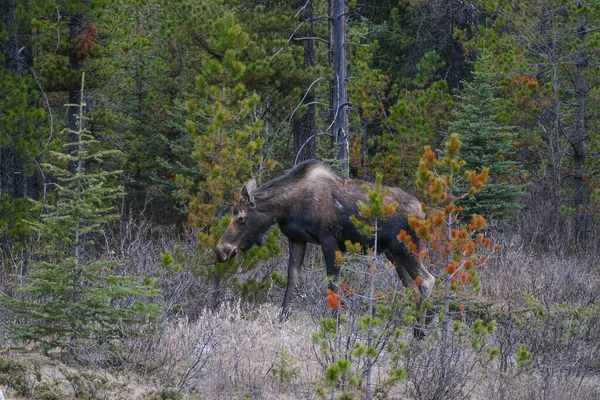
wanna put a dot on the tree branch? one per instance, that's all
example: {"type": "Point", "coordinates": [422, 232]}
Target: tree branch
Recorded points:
{"type": "Point", "coordinates": [312, 38]}
{"type": "Point", "coordinates": [202, 43]}
{"type": "Point", "coordinates": [291, 115]}
{"type": "Point", "coordinates": [33, 73]}
{"type": "Point", "coordinates": [307, 141]}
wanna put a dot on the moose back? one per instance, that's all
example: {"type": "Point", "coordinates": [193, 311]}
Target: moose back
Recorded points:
{"type": "Point", "coordinates": [313, 204]}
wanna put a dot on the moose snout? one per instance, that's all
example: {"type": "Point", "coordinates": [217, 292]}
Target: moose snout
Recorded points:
{"type": "Point", "coordinates": [225, 251]}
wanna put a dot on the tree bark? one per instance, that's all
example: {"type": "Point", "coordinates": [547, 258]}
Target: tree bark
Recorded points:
{"type": "Point", "coordinates": [76, 28]}
{"type": "Point", "coordinates": [579, 135]}
{"type": "Point", "coordinates": [8, 167]}
{"type": "Point", "coordinates": [305, 126]}
{"type": "Point", "coordinates": [339, 102]}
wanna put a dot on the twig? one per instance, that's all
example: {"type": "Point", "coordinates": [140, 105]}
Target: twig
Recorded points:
{"type": "Point", "coordinates": [291, 115]}
{"type": "Point", "coordinates": [33, 73]}
{"type": "Point", "coordinates": [306, 142]}
{"type": "Point", "coordinates": [57, 30]}
{"type": "Point", "coordinates": [312, 38]}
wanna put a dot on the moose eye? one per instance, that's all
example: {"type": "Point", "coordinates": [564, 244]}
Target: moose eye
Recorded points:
{"type": "Point", "coordinates": [241, 219]}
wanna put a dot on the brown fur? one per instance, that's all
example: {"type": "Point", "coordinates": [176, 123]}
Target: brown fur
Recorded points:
{"type": "Point", "coordinates": [311, 203]}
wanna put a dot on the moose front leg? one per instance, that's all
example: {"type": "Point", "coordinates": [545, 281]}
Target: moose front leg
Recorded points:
{"type": "Point", "coordinates": [330, 246]}
{"type": "Point", "coordinates": [297, 250]}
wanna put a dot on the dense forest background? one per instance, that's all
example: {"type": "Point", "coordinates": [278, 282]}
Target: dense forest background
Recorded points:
{"type": "Point", "coordinates": [128, 127]}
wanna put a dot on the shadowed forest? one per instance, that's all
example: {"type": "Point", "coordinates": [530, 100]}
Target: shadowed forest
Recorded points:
{"type": "Point", "coordinates": [128, 129]}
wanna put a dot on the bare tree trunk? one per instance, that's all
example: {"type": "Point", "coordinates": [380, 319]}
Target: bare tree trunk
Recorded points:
{"type": "Point", "coordinates": [11, 47]}
{"type": "Point", "coordinates": [455, 52]}
{"type": "Point", "coordinates": [77, 123]}
{"type": "Point", "coordinates": [339, 102]}
{"type": "Point", "coordinates": [76, 28]}
{"type": "Point", "coordinates": [579, 135]}
{"type": "Point", "coordinates": [305, 126]}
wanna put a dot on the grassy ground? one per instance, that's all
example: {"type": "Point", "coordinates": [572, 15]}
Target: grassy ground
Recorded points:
{"type": "Point", "coordinates": [543, 300]}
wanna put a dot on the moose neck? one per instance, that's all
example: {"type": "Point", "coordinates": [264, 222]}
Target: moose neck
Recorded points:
{"type": "Point", "coordinates": [274, 201]}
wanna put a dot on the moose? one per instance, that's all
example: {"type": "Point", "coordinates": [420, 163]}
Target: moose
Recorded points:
{"type": "Point", "coordinates": [313, 204]}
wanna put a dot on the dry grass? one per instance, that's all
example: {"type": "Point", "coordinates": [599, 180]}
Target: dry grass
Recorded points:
{"type": "Point", "coordinates": [551, 278]}
{"type": "Point", "coordinates": [228, 353]}
{"type": "Point", "coordinates": [241, 351]}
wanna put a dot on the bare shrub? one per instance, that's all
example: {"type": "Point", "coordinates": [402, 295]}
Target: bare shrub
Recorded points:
{"type": "Point", "coordinates": [449, 367]}
{"type": "Point", "coordinates": [546, 226]}
{"type": "Point", "coordinates": [549, 277]}
{"type": "Point", "coordinates": [228, 353]}
{"type": "Point", "coordinates": [137, 245]}
{"type": "Point", "coordinates": [545, 297]}
{"type": "Point", "coordinates": [184, 350]}
{"type": "Point", "coordinates": [507, 386]}
{"type": "Point", "coordinates": [564, 341]}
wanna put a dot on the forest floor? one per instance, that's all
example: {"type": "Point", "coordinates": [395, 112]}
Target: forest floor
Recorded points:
{"type": "Point", "coordinates": [222, 355]}
{"type": "Point", "coordinates": [547, 330]}
{"type": "Point", "coordinates": [229, 354]}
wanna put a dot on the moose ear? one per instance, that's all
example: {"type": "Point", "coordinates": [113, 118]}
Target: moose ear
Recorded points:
{"type": "Point", "coordinates": [248, 192]}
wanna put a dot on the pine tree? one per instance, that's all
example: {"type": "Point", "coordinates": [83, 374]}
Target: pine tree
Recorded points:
{"type": "Point", "coordinates": [23, 128]}
{"type": "Point", "coordinates": [451, 249]}
{"type": "Point", "coordinates": [487, 143]}
{"type": "Point", "coordinates": [68, 295]}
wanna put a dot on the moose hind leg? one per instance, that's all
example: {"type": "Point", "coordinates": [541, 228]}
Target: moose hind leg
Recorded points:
{"type": "Point", "coordinates": [297, 251]}
{"type": "Point", "coordinates": [409, 270]}
{"type": "Point", "coordinates": [424, 290]}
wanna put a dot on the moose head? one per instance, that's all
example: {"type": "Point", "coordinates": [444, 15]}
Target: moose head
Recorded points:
{"type": "Point", "coordinates": [246, 227]}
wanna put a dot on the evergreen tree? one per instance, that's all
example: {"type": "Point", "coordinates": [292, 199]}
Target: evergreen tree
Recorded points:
{"type": "Point", "coordinates": [451, 249]}
{"type": "Point", "coordinates": [487, 143]}
{"type": "Point", "coordinates": [397, 121]}
{"type": "Point", "coordinates": [22, 123]}
{"type": "Point", "coordinates": [557, 43]}
{"type": "Point", "coordinates": [68, 295]}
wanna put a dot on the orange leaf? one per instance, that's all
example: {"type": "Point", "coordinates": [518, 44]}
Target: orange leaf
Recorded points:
{"type": "Point", "coordinates": [339, 258]}
{"type": "Point", "coordinates": [332, 300]}
{"type": "Point", "coordinates": [451, 268]}
{"type": "Point", "coordinates": [477, 222]}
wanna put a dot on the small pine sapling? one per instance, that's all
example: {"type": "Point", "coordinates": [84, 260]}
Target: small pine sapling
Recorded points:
{"type": "Point", "coordinates": [221, 119]}
{"type": "Point", "coordinates": [69, 296]}
{"type": "Point", "coordinates": [452, 249]}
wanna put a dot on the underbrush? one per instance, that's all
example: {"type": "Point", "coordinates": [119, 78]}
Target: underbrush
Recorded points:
{"type": "Point", "coordinates": [228, 353]}
{"type": "Point", "coordinates": [544, 341]}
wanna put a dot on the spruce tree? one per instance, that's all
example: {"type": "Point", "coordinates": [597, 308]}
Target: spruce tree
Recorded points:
{"type": "Point", "coordinates": [68, 295]}
{"type": "Point", "coordinates": [487, 143]}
